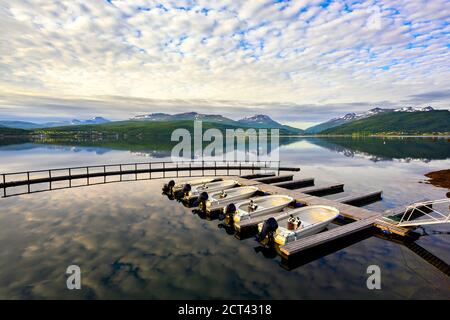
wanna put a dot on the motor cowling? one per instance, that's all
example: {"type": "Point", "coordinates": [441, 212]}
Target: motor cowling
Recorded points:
{"type": "Point", "coordinates": [186, 189]}
{"type": "Point", "coordinates": [230, 209]}
{"type": "Point", "coordinates": [201, 201]}
{"type": "Point", "coordinates": [168, 187]}
{"type": "Point", "coordinates": [203, 196]}
{"type": "Point", "coordinates": [268, 229]}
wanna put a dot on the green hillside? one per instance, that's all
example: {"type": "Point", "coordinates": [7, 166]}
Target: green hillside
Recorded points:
{"type": "Point", "coordinates": [430, 122]}
{"type": "Point", "coordinates": [5, 131]}
{"type": "Point", "coordinates": [134, 128]}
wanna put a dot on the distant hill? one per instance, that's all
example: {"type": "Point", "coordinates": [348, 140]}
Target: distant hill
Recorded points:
{"type": "Point", "coordinates": [5, 131]}
{"type": "Point", "coordinates": [141, 122]}
{"type": "Point", "coordinates": [257, 121]}
{"type": "Point", "coordinates": [402, 122]}
{"type": "Point", "coordinates": [350, 117]}
{"type": "Point", "coordinates": [189, 116]}
{"type": "Point", "coordinates": [137, 128]}
{"type": "Point", "coordinates": [18, 124]}
{"type": "Point", "coordinates": [31, 125]}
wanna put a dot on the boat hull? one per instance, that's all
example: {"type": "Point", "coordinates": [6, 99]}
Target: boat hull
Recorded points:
{"type": "Point", "coordinates": [216, 203]}
{"type": "Point", "coordinates": [282, 202]}
{"type": "Point", "coordinates": [314, 219]}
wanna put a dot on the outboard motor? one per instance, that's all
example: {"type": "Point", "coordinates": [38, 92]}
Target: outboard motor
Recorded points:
{"type": "Point", "coordinates": [168, 187]}
{"type": "Point", "coordinates": [181, 193]}
{"type": "Point", "coordinates": [230, 210]}
{"type": "Point", "coordinates": [268, 229]}
{"type": "Point", "coordinates": [186, 189]}
{"type": "Point", "coordinates": [201, 201]}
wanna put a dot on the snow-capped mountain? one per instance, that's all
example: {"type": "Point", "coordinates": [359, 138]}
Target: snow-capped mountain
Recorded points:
{"type": "Point", "coordinates": [413, 109]}
{"type": "Point", "coordinates": [256, 121]}
{"type": "Point", "coordinates": [94, 120]}
{"type": "Point", "coordinates": [259, 119]}
{"type": "Point", "coordinates": [264, 121]}
{"type": "Point", "coordinates": [352, 116]}
{"type": "Point", "coordinates": [190, 116]}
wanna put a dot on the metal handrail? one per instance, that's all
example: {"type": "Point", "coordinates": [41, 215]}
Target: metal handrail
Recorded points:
{"type": "Point", "coordinates": [162, 167]}
{"type": "Point", "coordinates": [132, 164]}
{"type": "Point", "coordinates": [425, 208]}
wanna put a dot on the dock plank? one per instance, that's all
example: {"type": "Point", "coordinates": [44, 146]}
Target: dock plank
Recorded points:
{"type": "Point", "coordinates": [279, 178]}
{"type": "Point", "coordinates": [323, 190]}
{"type": "Point", "coordinates": [364, 198]}
{"type": "Point", "coordinates": [295, 184]}
{"type": "Point", "coordinates": [258, 175]}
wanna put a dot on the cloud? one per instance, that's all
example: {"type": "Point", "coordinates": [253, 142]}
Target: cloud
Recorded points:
{"type": "Point", "coordinates": [277, 53]}
{"type": "Point", "coordinates": [432, 96]}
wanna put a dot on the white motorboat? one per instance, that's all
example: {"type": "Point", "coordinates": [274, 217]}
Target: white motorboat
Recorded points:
{"type": "Point", "coordinates": [219, 199]}
{"type": "Point", "coordinates": [196, 190]}
{"type": "Point", "coordinates": [297, 223]}
{"type": "Point", "coordinates": [259, 206]}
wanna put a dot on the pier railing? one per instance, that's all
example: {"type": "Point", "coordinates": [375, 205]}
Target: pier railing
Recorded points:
{"type": "Point", "coordinates": [137, 171]}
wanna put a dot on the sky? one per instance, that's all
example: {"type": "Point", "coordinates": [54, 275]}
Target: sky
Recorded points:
{"type": "Point", "coordinates": [301, 62]}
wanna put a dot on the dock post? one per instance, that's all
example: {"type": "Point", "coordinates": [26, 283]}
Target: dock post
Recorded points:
{"type": "Point", "coordinates": [70, 178]}
{"type": "Point", "coordinates": [104, 174]}
{"type": "Point", "coordinates": [28, 179]}
{"type": "Point", "coordinates": [135, 171]}
{"type": "Point", "coordinates": [4, 185]}
{"type": "Point", "coordinates": [87, 174]}
{"type": "Point", "coordinates": [50, 179]}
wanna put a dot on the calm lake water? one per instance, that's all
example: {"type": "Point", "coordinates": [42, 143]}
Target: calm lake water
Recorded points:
{"type": "Point", "coordinates": [132, 242]}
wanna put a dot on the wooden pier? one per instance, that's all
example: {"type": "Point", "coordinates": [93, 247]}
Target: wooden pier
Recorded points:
{"type": "Point", "coordinates": [268, 180]}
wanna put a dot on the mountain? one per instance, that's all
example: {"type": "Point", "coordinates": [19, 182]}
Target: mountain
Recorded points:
{"type": "Point", "coordinates": [397, 122]}
{"type": "Point", "coordinates": [18, 124]}
{"type": "Point", "coordinates": [31, 125]}
{"type": "Point", "coordinates": [94, 120]}
{"type": "Point", "coordinates": [259, 121]}
{"type": "Point", "coordinates": [349, 117]}
{"type": "Point", "coordinates": [264, 121]}
{"type": "Point", "coordinates": [187, 116]}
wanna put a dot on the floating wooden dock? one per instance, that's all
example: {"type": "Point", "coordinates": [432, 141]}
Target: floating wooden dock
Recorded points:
{"type": "Point", "coordinates": [302, 190]}
{"type": "Point", "coordinates": [363, 219]}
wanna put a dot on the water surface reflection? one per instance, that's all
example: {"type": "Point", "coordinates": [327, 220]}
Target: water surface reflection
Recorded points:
{"type": "Point", "coordinates": [131, 242]}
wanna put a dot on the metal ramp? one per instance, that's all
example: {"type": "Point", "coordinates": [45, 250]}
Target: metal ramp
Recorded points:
{"type": "Point", "coordinates": [430, 213]}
